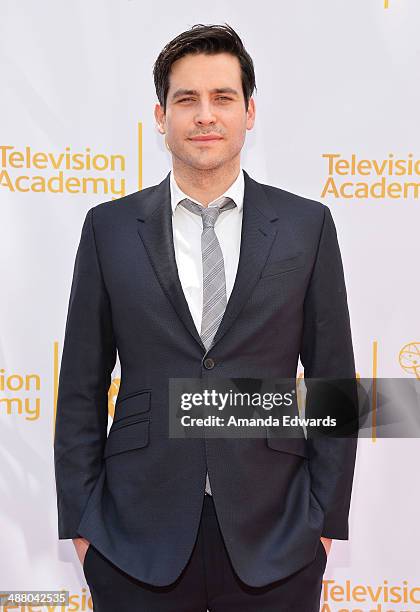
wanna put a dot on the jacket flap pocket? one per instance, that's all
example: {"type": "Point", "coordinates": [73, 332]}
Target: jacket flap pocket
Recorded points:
{"type": "Point", "coordinates": [127, 437]}
{"type": "Point", "coordinates": [294, 446]}
{"type": "Point", "coordinates": [132, 404]}
{"type": "Point", "coordinates": [284, 265]}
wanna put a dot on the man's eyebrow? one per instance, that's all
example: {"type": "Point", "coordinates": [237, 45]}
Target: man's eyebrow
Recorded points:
{"type": "Point", "coordinates": [193, 92]}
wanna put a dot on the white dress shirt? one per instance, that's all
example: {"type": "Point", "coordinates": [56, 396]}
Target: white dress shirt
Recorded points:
{"type": "Point", "coordinates": [187, 228]}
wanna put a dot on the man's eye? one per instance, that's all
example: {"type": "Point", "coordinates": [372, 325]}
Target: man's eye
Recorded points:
{"type": "Point", "coordinates": [218, 98]}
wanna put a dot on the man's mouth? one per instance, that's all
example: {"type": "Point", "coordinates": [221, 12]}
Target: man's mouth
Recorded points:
{"type": "Point", "coordinates": [206, 138]}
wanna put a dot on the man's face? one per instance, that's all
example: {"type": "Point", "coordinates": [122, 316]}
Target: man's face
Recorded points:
{"type": "Point", "coordinates": [205, 97]}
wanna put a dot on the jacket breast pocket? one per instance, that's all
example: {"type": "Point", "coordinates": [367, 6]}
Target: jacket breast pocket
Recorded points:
{"type": "Point", "coordinates": [294, 446]}
{"type": "Point", "coordinates": [127, 435]}
{"type": "Point", "coordinates": [288, 264]}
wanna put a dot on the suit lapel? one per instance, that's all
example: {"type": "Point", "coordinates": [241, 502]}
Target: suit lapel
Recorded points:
{"type": "Point", "coordinates": [154, 223]}
{"type": "Point", "coordinates": [258, 232]}
{"type": "Point", "coordinates": [154, 226]}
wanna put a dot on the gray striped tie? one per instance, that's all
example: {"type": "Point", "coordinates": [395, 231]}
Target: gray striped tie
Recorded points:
{"type": "Point", "coordinates": [214, 280]}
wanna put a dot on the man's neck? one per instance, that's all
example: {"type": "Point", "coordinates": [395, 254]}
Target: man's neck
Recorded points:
{"type": "Point", "coordinates": [205, 185]}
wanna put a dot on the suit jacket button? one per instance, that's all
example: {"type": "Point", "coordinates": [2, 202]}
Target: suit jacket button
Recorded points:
{"type": "Point", "coordinates": [209, 363]}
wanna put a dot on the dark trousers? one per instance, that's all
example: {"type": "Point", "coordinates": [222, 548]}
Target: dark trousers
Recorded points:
{"type": "Point", "coordinates": [208, 582]}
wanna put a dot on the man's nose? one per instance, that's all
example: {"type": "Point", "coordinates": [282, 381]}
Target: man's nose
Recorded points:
{"type": "Point", "coordinates": [205, 115]}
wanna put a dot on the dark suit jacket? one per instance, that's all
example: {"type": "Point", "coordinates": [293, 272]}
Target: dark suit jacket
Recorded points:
{"type": "Point", "coordinates": [137, 494]}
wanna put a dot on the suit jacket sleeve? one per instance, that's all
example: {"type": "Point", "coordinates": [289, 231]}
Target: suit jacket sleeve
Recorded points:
{"type": "Point", "coordinates": [89, 355]}
{"type": "Point", "coordinates": [327, 352]}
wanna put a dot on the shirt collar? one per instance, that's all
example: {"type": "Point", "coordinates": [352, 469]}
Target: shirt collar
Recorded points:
{"type": "Point", "coordinates": [235, 191]}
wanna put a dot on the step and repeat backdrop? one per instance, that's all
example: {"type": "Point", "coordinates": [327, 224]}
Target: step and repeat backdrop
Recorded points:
{"type": "Point", "coordinates": [337, 121]}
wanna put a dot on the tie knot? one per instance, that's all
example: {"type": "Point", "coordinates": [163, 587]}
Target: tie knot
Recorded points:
{"type": "Point", "coordinates": [209, 214]}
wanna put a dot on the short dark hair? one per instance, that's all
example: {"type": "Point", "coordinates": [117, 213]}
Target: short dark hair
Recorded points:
{"type": "Point", "coordinates": [207, 39]}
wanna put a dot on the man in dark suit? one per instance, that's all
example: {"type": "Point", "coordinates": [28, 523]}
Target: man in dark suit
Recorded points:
{"type": "Point", "coordinates": [209, 274]}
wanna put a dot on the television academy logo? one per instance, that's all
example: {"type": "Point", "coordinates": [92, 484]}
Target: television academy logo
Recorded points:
{"type": "Point", "coordinates": [409, 358]}
{"type": "Point", "coordinates": [72, 172]}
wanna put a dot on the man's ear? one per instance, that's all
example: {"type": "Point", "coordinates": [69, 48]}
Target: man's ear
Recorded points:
{"type": "Point", "coordinates": [250, 120]}
{"type": "Point", "coordinates": [160, 118]}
